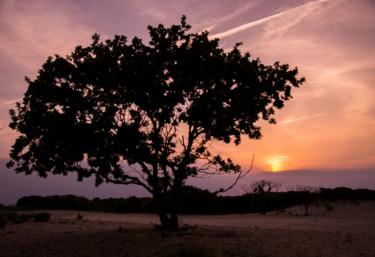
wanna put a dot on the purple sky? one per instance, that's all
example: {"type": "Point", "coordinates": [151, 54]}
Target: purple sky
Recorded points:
{"type": "Point", "coordinates": [330, 123]}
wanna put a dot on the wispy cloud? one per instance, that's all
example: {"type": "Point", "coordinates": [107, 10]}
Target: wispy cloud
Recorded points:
{"type": "Point", "coordinates": [9, 102]}
{"type": "Point", "coordinates": [302, 118]}
{"type": "Point", "coordinates": [241, 9]}
{"type": "Point", "coordinates": [36, 29]}
{"type": "Point", "coordinates": [303, 9]}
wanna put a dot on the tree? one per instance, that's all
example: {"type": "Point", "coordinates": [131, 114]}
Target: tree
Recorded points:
{"type": "Point", "coordinates": [154, 107]}
{"type": "Point", "coordinates": [308, 195]}
{"type": "Point", "coordinates": [262, 190]}
{"type": "Point", "coordinates": [261, 187]}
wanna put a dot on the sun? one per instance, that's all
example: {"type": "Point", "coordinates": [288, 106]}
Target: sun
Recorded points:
{"type": "Point", "coordinates": [276, 166]}
{"type": "Point", "coordinates": [276, 162]}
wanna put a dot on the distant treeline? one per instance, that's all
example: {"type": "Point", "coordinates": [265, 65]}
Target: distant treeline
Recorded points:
{"type": "Point", "coordinates": [198, 201]}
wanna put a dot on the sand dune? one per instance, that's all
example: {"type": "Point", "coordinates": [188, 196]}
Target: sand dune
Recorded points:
{"type": "Point", "coordinates": [348, 229]}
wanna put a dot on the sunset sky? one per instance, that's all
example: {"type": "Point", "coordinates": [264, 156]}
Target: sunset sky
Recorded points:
{"type": "Point", "coordinates": [328, 125]}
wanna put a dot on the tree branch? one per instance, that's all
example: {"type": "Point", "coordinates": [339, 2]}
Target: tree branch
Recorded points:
{"type": "Point", "coordinates": [128, 180]}
{"type": "Point", "coordinates": [240, 175]}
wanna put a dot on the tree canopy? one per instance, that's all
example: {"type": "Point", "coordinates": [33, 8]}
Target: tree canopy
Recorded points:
{"type": "Point", "coordinates": [155, 107]}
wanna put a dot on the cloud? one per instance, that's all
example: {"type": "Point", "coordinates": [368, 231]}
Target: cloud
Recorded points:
{"type": "Point", "coordinates": [300, 11]}
{"type": "Point", "coordinates": [11, 102]}
{"type": "Point", "coordinates": [203, 15]}
{"type": "Point", "coordinates": [240, 10]}
{"type": "Point", "coordinates": [161, 12]}
{"type": "Point", "coordinates": [32, 30]}
{"type": "Point", "coordinates": [301, 118]}
{"type": "Point", "coordinates": [330, 41]}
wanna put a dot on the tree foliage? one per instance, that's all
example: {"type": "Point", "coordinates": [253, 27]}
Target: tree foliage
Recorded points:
{"type": "Point", "coordinates": [155, 107]}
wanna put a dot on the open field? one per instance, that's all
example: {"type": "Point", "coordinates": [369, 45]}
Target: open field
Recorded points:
{"type": "Point", "coordinates": [336, 229]}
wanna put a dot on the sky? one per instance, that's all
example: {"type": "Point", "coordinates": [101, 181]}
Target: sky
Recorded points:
{"type": "Point", "coordinates": [327, 129]}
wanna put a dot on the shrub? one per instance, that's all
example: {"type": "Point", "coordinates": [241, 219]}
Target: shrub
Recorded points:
{"type": "Point", "coordinates": [79, 217]}
{"type": "Point", "coordinates": [16, 218]}
{"type": "Point", "coordinates": [329, 207]}
{"type": "Point", "coordinates": [3, 220]}
{"type": "Point", "coordinates": [42, 217]}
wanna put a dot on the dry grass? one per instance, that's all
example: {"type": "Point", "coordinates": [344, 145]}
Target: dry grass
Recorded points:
{"type": "Point", "coordinates": [346, 230]}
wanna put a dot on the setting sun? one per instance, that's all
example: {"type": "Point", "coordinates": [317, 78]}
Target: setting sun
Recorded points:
{"type": "Point", "coordinates": [276, 162]}
{"type": "Point", "coordinates": [275, 166]}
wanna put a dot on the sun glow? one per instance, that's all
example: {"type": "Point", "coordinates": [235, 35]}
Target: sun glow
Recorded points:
{"type": "Point", "coordinates": [275, 166]}
{"type": "Point", "coordinates": [276, 162]}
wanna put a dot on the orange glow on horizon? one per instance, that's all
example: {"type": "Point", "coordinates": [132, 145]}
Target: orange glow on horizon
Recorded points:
{"type": "Point", "coordinates": [276, 163]}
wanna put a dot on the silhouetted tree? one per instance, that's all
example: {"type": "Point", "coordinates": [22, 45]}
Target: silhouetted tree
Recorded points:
{"type": "Point", "coordinates": [155, 107]}
{"type": "Point", "coordinates": [261, 187]}
{"type": "Point", "coordinates": [262, 190]}
{"type": "Point", "coordinates": [308, 195]}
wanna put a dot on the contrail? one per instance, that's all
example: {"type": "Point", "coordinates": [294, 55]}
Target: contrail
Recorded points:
{"type": "Point", "coordinates": [11, 101]}
{"type": "Point", "coordinates": [241, 10]}
{"type": "Point", "coordinates": [261, 21]}
{"type": "Point", "coordinates": [302, 118]}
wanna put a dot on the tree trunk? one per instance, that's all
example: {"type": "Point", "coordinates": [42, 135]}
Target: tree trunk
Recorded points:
{"type": "Point", "coordinates": [306, 209]}
{"type": "Point", "coordinates": [167, 213]}
{"type": "Point", "coordinates": [168, 223]}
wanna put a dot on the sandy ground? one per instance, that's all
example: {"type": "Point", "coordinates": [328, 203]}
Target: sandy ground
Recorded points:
{"type": "Point", "coordinates": [347, 230]}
